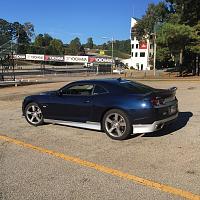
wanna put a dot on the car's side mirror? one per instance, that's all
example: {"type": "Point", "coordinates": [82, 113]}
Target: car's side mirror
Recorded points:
{"type": "Point", "coordinates": [60, 92]}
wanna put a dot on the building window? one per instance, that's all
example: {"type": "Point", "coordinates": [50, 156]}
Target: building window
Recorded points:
{"type": "Point", "coordinates": [150, 54]}
{"type": "Point", "coordinates": [136, 54]}
{"type": "Point", "coordinates": [142, 54]}
{"type": "Point", "coordinates": [132, 46]}
{"type": "Point", "coordinates": [137, 65]}
{"type": "Point", "coordinates": [132, 54]}
{"type": "Point", "coordinates": [137, 45]}
{"type": "Point", "coordinates": [151, 46]}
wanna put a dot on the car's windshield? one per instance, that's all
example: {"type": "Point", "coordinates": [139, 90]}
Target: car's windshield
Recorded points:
{"type": "Point", "coordinates": [135, 87]}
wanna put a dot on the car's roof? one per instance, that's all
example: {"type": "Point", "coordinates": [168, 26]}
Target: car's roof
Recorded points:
{"type": "Point", "coordinates": [117, 85]}
{"type": "Point", "coordinates": [108, 80]}
{"type": "Point", "coordinates": [111, 84]}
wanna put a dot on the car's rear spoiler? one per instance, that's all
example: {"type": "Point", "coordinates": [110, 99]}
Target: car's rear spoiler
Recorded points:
{"type": "Point", "coordinates": [162, 93]}
{"type": "Point", "coordinates": [173, 90]}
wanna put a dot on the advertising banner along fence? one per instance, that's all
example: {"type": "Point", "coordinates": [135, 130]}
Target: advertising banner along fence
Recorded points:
{"type": "Point", "coordinates": [35, 57]}
{"type": "Point", "coordinates": [60, 58]}
{"type": "Point", "coordinates": [103, 60]}
{"type": "Point", "coordinates": [19, 56]}
{"type": "Point", "coordinates": [54, 58]}
{"type": "Point", "coordinates": [77, 59]}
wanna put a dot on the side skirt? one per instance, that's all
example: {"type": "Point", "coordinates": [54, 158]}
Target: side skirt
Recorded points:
{"type": "Point", "coordinates": [88, 125]}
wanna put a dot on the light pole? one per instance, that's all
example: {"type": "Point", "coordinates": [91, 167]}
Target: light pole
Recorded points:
{"type": "Point", "coordinates": [112, 49]}
{"type": "Point", "coordinates": [154, 55]}
{"type": "Point", "coordinates": [155, 29]}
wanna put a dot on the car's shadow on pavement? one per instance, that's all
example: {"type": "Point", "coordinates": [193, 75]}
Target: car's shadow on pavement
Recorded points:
{"type": "Point", "coordinates": [178, 124]}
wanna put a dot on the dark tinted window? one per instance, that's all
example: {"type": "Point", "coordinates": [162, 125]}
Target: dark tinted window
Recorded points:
{"type": "Point", "coordinates": [142, 54]}
{"type": "Point", "coordinates": [137, 88]}
{"type": "Point", "coordinates": [99, 90]}
{"type": "Point", "coordinates": [78, 90]}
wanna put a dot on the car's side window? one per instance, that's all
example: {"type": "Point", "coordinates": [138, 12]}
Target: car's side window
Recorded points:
{"type": "Point", "coordinates": [99, 90]}
{"type": "Point", "coordinates": [82, 89]}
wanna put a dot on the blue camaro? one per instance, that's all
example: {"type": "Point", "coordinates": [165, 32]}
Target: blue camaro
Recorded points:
{"type": "Point", "coordinates": [118, 107]}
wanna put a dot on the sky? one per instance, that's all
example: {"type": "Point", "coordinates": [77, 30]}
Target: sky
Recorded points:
{"type": "Point", "coordinates": [67, 19]}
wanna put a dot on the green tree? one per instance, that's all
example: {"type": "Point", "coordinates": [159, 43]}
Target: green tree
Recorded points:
{"type": "Point", "coordinates": [29, 29]}
{"type": "Point", "coordinates": [163, 57]}
{"type": "Point", "coordinates": [23, 33]}
{"type": "Point", "coordinates": [188, 10]}
{"type": "Point", "coordinates": [90, 43]}
{"type": "Point", "coordinates": [55, 47]}
{"type": "Point", "coordinates": [5, 31]}
{"type": "Point", "coordinates": [47, 39]}
{"type": "Point", "coordinates": [39, 41]}
{"type": "Point", "coordinates": [81, 51]}
{"type": "Point", "coordinates": [155, 14]}
{"type": "Point", "coordinates": [194, 49]}
{"type": "Point", "coordinates": [74, 47]}
{"type": "Point", "coordinates": [122, 46]}
{"type": "Point", "coordinates": [176, 37]}
{"type": "Point", "coordinates": [42, 43]}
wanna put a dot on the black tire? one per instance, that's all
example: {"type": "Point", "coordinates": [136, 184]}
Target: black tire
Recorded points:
{"type": "Point", "coordinates": [116, 124]}
{"type": "Point", "coordinates": [33, 114]}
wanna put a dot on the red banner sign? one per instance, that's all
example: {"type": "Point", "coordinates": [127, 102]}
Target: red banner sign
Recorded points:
{"type": "Point", "coordinates": [54, 58]}
{"type": "Point", "coordinates": [142, 45]}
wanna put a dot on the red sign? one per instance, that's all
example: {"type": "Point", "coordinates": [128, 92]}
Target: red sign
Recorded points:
{"type": "Point", "coordinates": [100, 60]}
{"type": "Point", "coordinates": [142, 45]}
{"type": "Point", "coordinates": [92, 59]}
{"type": "Point", "coordinates": [54, 58]}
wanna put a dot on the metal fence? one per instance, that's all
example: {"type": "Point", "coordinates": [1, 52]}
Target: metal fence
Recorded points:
{"type": "Point", "coordinates": [12, 70]}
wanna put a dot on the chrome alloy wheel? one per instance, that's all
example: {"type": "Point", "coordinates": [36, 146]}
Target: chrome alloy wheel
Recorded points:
{"type": "Point", "coordinates": [34, 114]}
{"type": "Point", "coordinates": [115, 125]}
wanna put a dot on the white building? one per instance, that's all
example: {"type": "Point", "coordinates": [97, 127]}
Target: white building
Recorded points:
{"type": "Point", "coordinates": [141, 51]}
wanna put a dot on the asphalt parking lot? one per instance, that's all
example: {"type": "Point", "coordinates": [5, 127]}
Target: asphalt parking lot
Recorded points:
{"type": "Point", "coordinates": [59, 162]}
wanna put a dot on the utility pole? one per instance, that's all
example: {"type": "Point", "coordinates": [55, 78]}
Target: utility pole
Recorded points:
{"type": "Point", "coordinates": [154, 55]}
{"type": "Point", "coordinates": [112, 49]}
{"type": "Point", "coordinates": [112, 53]}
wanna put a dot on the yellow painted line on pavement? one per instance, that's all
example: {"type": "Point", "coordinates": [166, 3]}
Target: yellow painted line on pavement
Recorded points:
{"type": "Point", "coordinates": [107, 170]}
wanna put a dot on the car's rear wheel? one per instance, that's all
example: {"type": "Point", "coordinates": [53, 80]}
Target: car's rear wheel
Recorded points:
{"type": "Point", "coordinates": [116, 124]}
{"type": "Point", "coordinates": [33, 114]}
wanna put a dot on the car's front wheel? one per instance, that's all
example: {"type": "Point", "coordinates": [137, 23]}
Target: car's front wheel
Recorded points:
{"type": "Point", "coordinates": [33, 114]}
{"type": "Point", "coordinates": [116, 124]}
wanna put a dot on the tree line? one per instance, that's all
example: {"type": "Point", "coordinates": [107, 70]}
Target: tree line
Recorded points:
{"type": "Point", "coordinates": [175, 26]}
{"type": "Point", "coordinates": [25, 40]}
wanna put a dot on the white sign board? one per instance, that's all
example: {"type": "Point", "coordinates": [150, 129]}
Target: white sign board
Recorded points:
{"type": "Point", "coordinates": [103, 60]}
{"type": "Point", "coordinates": [34, 57]}
{"type": "Point", "coordinates": [19, 56]}
{"type": "Point", "coordinates": [77, 59]}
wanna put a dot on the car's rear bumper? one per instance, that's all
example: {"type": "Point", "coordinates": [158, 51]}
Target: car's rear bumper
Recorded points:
{"type": "Point", "coordinates": [157, 125]}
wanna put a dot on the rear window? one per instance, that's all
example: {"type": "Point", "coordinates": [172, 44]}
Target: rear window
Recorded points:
{"type": "Point", "coordinates": [99, 90]}
{"type": "Point", "coordinates": [135, 87]}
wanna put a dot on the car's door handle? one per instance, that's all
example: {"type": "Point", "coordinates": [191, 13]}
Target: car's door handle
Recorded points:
{"type": "Point", "coordinates": [87, 101]}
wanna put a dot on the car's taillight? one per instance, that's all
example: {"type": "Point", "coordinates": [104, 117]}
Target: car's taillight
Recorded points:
{"type": "Point", "coordinates": [156, 101]}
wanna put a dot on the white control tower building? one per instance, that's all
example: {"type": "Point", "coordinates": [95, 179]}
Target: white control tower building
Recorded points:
{"type": "Point", "coordinates": [141, 51]}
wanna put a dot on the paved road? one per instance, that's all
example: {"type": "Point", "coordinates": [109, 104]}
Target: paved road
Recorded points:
{"type": "Point", "coordinates": [170, 157]}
